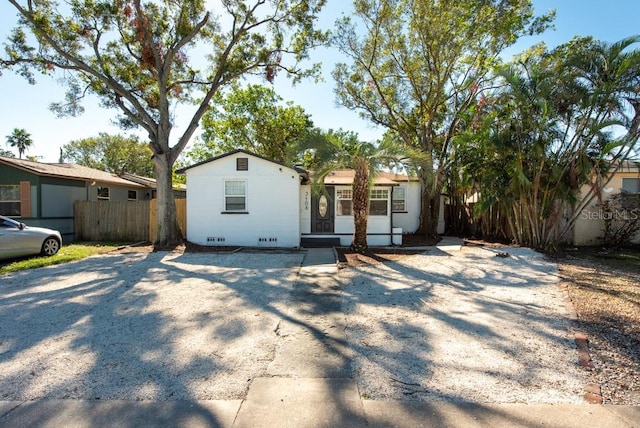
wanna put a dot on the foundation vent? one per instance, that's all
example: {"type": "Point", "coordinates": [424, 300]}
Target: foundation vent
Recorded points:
{"type": "Point", "coordinates": [215, 239]}
{"type": "Point", "coordinates": [267, 240]}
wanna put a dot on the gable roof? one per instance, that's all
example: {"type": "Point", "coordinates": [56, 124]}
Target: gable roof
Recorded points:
{"type": "Point", "coordinates": [234, 152]}
{"type": "Point", "coordinates": [69, 171]}
{"type": "Point", "coordinates": [336, 177]}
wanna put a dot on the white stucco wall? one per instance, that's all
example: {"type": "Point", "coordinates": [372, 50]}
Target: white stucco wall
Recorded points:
{"type": "Point", "coordinates": [272, 202]}
{"type": "Point", "coordinates": [375, 224]}
{"type": "Point", "coordinates": [589, 227]}
{"type": "Point", "coordinates": [409, 220]}
{"type": "Point", "coordinates": [305, 208]}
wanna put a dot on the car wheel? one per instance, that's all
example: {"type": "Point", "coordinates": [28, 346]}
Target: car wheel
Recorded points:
{"type": "Point", "coordinates": [50, 246]}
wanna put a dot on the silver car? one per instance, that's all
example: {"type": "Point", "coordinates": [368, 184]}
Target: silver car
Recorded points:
{"type": "Point", "coordinates": [17, 239]}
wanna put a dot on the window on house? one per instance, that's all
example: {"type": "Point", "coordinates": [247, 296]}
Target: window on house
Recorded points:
{"type": "Point", "coordinates": [103, 193]}
{"type": "Point", "coordinates": [399, 202]}
{"type": "Point", "coordinates": [10, 200]}
{"type": "Point", "coordinates": [132, 195]}
{"type": "Point", "coordinates": [378, 201]}
{"type": "Point", "coordinates": [631, 185]}
{"type": "Point", "coordinates": [235, 195]}
{"type": "Point", "coordinates": [343, 198]}
{"type": "Point", "coordinates": [242, 164]}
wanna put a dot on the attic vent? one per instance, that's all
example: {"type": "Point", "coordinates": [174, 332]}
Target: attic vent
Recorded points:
{"type": "Point", "coordinates": [242, 164]}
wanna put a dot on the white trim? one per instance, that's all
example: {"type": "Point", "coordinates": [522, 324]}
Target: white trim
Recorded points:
{"type": "Point", "coordinates": [246, 194]}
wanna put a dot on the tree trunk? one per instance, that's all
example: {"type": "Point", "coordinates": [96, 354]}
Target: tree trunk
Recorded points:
{"type": "Point", "coordinates": [360, 200]}
{"type": "Point", "coordinates": [167, 225]}
{"type": "Point", "coordinates": [430, 213]}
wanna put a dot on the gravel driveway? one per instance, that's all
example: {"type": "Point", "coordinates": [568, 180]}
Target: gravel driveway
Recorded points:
{"type": "Point", "coordinates": [142, 326]}
{"type": "Point", "coordinates": [170, 326]}
{"type": "Point", "coordinates": [462, 326]}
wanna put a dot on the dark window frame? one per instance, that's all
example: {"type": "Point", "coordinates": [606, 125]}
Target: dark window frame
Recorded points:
{"type": "Point", "coordinates": [101, 189]}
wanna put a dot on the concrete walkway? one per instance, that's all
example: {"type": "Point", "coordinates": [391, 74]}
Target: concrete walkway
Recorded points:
{"type": "Point", "coordinates": [309, 383]}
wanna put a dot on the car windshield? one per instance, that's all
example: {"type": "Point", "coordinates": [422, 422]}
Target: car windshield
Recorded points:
{"type": "Point", "coordinates": [7, 222]}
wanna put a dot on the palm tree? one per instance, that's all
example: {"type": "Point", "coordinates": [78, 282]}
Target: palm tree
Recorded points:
{"type": "Point", "coordinates": [341, 149]}
{"type": "Point", "coordinates": [20, 139]}
{"type": "Point", "coordinates": [553, 131]}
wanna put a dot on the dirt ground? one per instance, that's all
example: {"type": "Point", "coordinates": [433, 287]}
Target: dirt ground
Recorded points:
{"type": "Point", "coordinates": [605, 290]}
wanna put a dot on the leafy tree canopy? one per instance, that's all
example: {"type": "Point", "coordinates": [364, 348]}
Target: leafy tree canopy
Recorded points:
{"type": "Point", "coordinates": [7, 153]}
{"type": "Point", "coordinates": [415, 65]}
{"type": "Point", "coordinates": [112, 153]}
{"type": "Point", "coordinates": [253, 118]}
{"type": "Point", "coordinates": [144, 58]}
{"type": "Point", "coordinates": [562, 119]}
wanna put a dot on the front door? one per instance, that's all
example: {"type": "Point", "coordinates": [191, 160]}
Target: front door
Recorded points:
{"type": "Point", "coordinates": [322, 211]}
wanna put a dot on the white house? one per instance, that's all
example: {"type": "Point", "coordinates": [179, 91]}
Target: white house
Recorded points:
{"type": "Point", "coordinates": [243, 199]}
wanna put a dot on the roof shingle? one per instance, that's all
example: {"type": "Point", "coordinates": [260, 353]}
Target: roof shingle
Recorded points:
{"type": "Point", "coordinates": [67, 170]}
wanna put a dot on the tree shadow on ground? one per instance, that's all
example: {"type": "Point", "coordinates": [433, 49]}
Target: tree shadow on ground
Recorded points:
{"type": "Point", "coordinates": [400, 303]}
{"type": "Point", "coordinates": [102, 329]}
{"type": "Point", "coordinates": [111, 333]}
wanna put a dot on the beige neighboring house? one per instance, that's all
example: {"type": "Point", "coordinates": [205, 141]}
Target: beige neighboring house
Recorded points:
{"type": "Point", "coordinates": [589, 228]}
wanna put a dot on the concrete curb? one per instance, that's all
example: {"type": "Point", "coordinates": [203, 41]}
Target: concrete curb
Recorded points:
{"type": "Point", "coordinates": [290, 406]}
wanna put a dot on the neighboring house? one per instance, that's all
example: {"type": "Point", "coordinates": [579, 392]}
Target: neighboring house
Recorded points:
{"type": "Point", "coordinates": [43, 194]}
{"type": "Point", "coordinates": [179, 190]}
{"type": "Point", "coordinates": [589, 228]}
{"type": "Point", "coordinates": [243, 199]}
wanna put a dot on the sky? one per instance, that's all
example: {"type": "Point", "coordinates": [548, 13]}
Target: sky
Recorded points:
{"type": "Point", "coordinates": [26, 106]}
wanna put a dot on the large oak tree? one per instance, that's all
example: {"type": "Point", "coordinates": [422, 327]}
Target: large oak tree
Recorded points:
{"type": "Point", "coordinates": [414, 66]}
{"type": "Point", "coordinates": [147, 57]}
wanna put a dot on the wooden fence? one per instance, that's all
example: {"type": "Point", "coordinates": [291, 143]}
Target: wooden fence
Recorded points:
{"type": "Point", "coordinates": [131, 221]}
{"type": "Point", "coordinates": [181, 216]}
